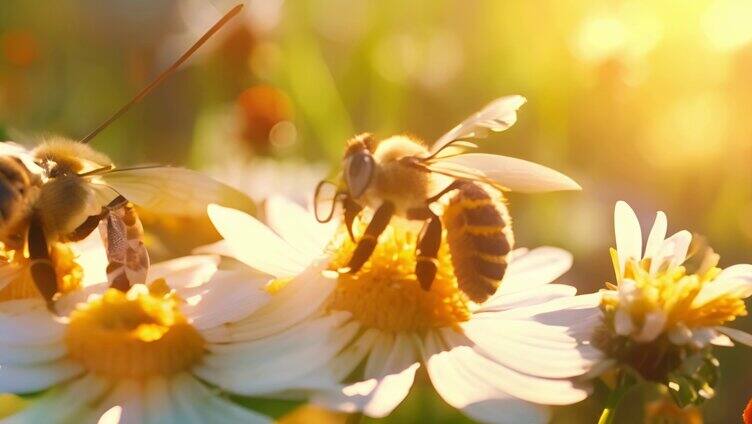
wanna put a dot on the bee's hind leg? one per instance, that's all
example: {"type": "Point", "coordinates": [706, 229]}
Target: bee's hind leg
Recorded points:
{"type": "Point", "coordinates": [426, 251]}
{"type": "Point", "coordinates": [367, 242]}
{"type": "Point", "coordinates": [41, 267]}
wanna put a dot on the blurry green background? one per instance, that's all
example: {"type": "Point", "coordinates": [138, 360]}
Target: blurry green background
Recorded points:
{"type": "Point", "coordinates": [649, 102]}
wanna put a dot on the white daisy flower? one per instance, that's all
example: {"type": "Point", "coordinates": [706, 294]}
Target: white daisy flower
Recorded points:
{"type": "Point", "coordinates": [663, 314]}
{"type": "Point", "coordinates": [499, 362]}
{"type": "Point", "coordinates": [655, 295]}
{"type": "Point", "coordinates": [141, 356]}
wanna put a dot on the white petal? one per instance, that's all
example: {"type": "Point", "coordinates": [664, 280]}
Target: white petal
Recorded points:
{"type": "Point", "coordinates": [628, 234]}
{"type": "Point", "coordinates": [277, 362]}
{"type": "Point", "coordinates": [255, 244]}
{"type": "Point", "coordinates": [561, 311]}
{"type": "Point", "coordinates": [681, 242]}
{"type": "Point", "coordinates": [512, 173]}
{"type": "Point", "coordinates": [69, 403]}
{"type": "Point", "coordinates": [736, 272]}
{"type": "Point", "coordinates": [551, 353]}
{"type": "Point", "coordinates": [298, 300]}
{"type": "Point", "coordinates": [33, 378]}
{"type": "Point", "coordinates": [509, 410]}
{"type": "Point", "coordinates": [228, 297]}
{"type": "Point", "coordinates": [124, 402]}
{"type": "Point", "coordinates": [390, 372]}
{"type": "Point", "coordinates": [680, 335]}
{"type": "Point", "coordinates": [194, 400]}
{"type": "Point", "coordinates": [345, 363]}
{"type": "Point", "coordinates": [738, 335]}
{"type": "Point", "coordinates": [539, 266]}
{"type": "Point", "coordinates": [733, 284]}
{"type": "Point", "coordinates": [221, 248]}
{"type": "Point", "coordinates": [536, 295]}
{"type": "Point", "coordinates": [657, 235]}
{"type": "Point", "coordinates": [721, 340]}
{"type": "Point", "coordinates": [27, 355]}
{"type": "Point", "coordinates": [297, 226]}
{"type": "Point", "coordinates": [188, 271]}
{"type": "Point", "coordinates": [461, 391]}
{"type": "Point", "coordinates": [652, 327]}
{"type": "Point", "coordinates": [27, 322]}
{"type": "Point", "coordinates": [623, 324]}
{"type": "Point", "coordinates": [485, 379]}
{"type": "Point", "coordinates": [158, 405]}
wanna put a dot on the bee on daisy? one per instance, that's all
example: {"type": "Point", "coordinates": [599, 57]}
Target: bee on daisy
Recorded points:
{"type": "Point", "coordinates": [146, 355]}
{"type": "Point", "coordinates": [500, 361]}
{"type": "Point", "coordinates": [665, 311]}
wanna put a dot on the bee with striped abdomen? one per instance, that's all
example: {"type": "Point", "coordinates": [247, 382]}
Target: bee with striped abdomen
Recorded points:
{"type": "Point", "coordinates": [401, 176]}
{"type": "Point", "coordinates": [62, 190]}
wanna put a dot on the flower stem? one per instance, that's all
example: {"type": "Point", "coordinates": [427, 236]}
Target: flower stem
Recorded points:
{"type": "Point", "coordinates": [624, 382]}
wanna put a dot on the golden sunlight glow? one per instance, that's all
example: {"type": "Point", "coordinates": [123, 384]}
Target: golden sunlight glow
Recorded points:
{"type": "Point", "coordinates": [385, 293]}
{"type": "Point", "coordinates": [673, 293]}
{"type": "Point", "coordinates": [727, 24]}
{"type": "Point", "coordinates": [629, 33]}
{"type": "Point", "coordinates": [69, 273]}
{"type": "Point", "coordinates": [693, 129]}
{"type": "Point", "coordinates": [133, 335]}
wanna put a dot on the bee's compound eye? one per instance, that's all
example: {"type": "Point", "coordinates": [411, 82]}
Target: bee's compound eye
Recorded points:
{"type": "Point", "coordinates": [358, 173]}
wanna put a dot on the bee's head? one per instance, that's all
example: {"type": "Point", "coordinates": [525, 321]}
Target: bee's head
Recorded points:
{"type": "Point", "coordinates": [358, 164]}
{"type": "Point", "coordinates": [59, 156]}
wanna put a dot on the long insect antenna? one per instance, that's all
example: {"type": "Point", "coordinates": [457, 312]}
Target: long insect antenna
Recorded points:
{"type": "Point", "coordinates": [165, 74]}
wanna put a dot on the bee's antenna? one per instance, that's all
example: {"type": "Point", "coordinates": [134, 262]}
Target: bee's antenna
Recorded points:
{"type": "Point", "coordinates": [169, 71]}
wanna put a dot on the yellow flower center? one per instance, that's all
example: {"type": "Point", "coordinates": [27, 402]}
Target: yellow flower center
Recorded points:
{"type": "Point", "coordinates": [674, 293]}
{"type": "Point", "coordinates": [137, 334]}
{"type": "Point", "coordinates": [385, 294]}
{"type": "Point", "coordinates": [16, 266]}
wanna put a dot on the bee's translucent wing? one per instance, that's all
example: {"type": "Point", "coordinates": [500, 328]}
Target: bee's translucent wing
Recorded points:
{"type": "Point", "coordinates": [173, 191]}
{"type": "Point", "coordinates": [497, 116]}
{"type": "Point", "coordinates": [128, 258]}
{"type": "Point", "coordinates": [503, 172]}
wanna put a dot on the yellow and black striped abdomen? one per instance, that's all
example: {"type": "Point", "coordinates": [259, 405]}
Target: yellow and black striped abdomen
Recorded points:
{"type": "Point", "coordinates": [480, 237]}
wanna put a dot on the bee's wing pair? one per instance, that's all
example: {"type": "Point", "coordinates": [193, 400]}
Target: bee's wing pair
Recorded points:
{"type": "Point", "coordinates": [446, 156]}
{"type": "Point", "coordinates": [163, 190]}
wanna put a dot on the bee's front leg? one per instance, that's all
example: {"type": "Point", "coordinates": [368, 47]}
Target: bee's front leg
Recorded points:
{"type": "Point", "coordinates": [352, 209]}
{"type": "Point", "coordinates": [367, 242]}
{"type": "Point", "coordinates": [41, 266]}
{"type": "Point", "coordinates": [426, 251]}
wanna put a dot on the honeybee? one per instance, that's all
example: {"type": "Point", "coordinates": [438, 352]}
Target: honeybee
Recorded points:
{"type": "Point", "coordinates": [401, 176]}
{"type": "Point", "coordinates": [62, 190]}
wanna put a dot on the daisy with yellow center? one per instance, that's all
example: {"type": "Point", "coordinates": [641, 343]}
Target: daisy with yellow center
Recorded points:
{"type": "Point", "coordinates": [499, 362]}
{"type": "Point", "coordinates": [664, 311]}
{"type": "Point", "coordinates": [141, 355]}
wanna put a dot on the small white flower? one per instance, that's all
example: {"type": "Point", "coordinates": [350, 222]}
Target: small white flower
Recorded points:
{"type": "Point", "coordinates": [499, 362]}
{"type": "Point", "coordinates": [655, 295]}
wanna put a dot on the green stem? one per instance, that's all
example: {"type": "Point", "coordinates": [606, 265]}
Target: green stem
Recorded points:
{"type": "Point", "coordinates": [622, 386]}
